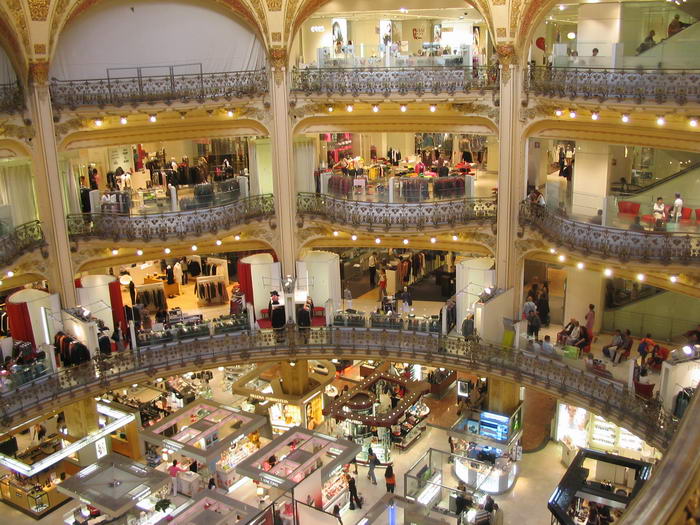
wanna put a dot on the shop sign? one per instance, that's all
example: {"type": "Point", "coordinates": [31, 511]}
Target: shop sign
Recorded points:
{"type": "Point", "coordinates": [271, 480]}
{"type": "Point", "coordinates": [263, 397]}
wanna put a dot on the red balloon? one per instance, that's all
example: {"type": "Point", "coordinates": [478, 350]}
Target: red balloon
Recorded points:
{"type": "Point", "coordinates": [540, 43]}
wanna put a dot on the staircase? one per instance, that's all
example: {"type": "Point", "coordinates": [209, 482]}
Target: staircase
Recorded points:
{"type": "Point", "coordinates": [638, 190]}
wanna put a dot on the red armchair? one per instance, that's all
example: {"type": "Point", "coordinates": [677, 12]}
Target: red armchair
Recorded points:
{"type": "Point", "coordinates": [628, 208]}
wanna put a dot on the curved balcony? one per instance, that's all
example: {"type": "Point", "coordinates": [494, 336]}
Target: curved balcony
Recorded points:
{"type": "Point", "coordinates": [609, 398]}
{"type": "Point", "coordinates": [164, 226]}
{"type": "Point", "coordinates": [637, 86]}
{"type": "Point", "coordinates": [166, 88]}
{"type": "Point", "coordinates": [396, 216]}
{"type": "Point", "coordinates": [11, 97]}
{"type": "Point", "coordinates": [606, 242]}
{"type": "Point", "coordinates": [23, 239]}
{"type": "Point", "coordinates": [385, 81]}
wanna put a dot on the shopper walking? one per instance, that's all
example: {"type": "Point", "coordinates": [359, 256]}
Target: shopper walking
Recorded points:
{"type": "Point", "coordinates": [347, 296]}
{"type": "Point", "coordinates": [390, 479]}
{"type": "Point", "coordinates": [533, 325]}
{"type": "Point", "coordinates": [352, 490]}
{"type": "Point", "coordinates": [372, 266]}
{"type": "Point", "coordinates": [382, 284]}
{"type": "Point", "coordinates": [372, 462]}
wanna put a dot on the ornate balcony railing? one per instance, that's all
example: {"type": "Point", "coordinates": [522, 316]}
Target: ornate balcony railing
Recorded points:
{"type": "Point", "coordinates": [395, 216]}
{"type": "Point", "coordinates": [11, 97]}
{"type": "Point", "coordinates": [387, 80]}
{"type": "Point", "coordinates": [158, 88]}
{"type": "Point", "coordinates": [24, 238]}
{"type": "Point", "coordinates": [611, 399]}
{"type": "Point", "coordinates": [603, 241]}
{"type": "Point", "coordinates": [170, 225]}
{"type": "Point", "coordinates": [622, 85]}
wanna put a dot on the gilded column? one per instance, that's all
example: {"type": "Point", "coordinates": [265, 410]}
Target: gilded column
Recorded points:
{"type": "Point", "coordinates": [282, 161]}
{"type": "Point", "coordinates": [48, 185]}
{"type": "Point", "coordinates": [511, 181]}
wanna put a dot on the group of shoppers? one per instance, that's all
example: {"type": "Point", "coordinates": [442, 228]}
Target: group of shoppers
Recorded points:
{"type": "Point", "coordinates": [536, 308]}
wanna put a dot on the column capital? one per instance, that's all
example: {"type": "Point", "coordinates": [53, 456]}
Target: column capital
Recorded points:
{"type": "Point", "coordinates": [39, 73]}
{"type": "Point", "coordinates": [278, 62]}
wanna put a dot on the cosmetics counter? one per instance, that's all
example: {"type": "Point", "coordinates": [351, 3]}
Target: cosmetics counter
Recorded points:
{"type": "Point", "coordinates": [576, 428]}
{"type": "Point", "coordinates": [308, 463]}
{"type": "Point", "coordinates": [37, 495]}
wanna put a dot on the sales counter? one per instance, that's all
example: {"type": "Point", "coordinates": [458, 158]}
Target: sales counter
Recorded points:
{"type": "Point", "coordinates": [36, 496]}
{"type": "Point", "coordinates": [495, 478]}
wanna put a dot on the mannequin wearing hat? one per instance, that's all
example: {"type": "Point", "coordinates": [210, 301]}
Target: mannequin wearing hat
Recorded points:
{"type": "Point", "coordinates": [277, 313]}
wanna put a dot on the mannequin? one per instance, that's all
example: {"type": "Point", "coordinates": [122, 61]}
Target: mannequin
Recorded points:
{"type": "Point", "coordinates": [277, 314]}
{"type": "Point", "coordinates": [177, 273]}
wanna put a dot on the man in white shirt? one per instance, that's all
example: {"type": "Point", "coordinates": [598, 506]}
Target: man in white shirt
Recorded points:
{"type": "Point", "coordinates": [372, 264]}
{"type": "Point", "coordinates": [677, 207]}
{"type": "Point", "coordinates": [659, 209]}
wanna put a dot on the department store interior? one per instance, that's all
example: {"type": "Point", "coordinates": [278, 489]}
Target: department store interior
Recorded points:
{"type": "Point", "coordinates": [296, 354]}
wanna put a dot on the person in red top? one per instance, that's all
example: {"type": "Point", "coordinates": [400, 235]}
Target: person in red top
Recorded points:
{"type": "Point", "coordinates": [174, 470]}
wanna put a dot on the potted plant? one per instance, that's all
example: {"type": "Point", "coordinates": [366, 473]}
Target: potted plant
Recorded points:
{"type": "Point", "coordinates": [162, 505]}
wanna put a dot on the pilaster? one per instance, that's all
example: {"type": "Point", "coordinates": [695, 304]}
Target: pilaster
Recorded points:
{"type": "Point", "coordinates": [282, 162]}
{"type": "Point", "coordinates": [48, 186]}
{"type": "Point", "coordinates": [511, 178]}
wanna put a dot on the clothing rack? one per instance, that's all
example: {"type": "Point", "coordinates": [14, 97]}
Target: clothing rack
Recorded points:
{"type": "Point", "coordinates": [211, 289]}
{"type": "Point", "coordinates": [152, 294]}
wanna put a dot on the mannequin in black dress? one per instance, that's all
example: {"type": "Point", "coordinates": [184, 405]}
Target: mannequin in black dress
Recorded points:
{"type": "Point", "coordinates": [277, 315]}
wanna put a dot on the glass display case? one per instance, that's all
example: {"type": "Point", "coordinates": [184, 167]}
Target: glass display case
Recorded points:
{"type": "Point", "coordinates": [388, 321]}
{"type": "Point", "coordinates": [426, 324]}
{"type": "Point", "coordinates": [334, 491]}
{"type": "Point", "coordinates": [231, 323]}
{"type": "Point", "coordinates": [349, 318]}
{"type": "Point", "coordinates": [37, 501]}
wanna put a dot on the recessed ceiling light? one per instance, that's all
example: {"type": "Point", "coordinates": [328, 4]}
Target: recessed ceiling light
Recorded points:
{"type": "Point", "coordinates": [123, 120]}
{"type": "Point", "coordinates": [167, 251]}
{"type": "Point", "coordinates": [139, 252]}
{"type": "Point", "coordinates": [608, 272]}
{"type": "Point", "coordinates": [219, 242]}
{"type": "Point", "coordinates": [152, 118]}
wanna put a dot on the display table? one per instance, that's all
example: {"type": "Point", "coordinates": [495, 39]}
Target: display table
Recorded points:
{"type": "Point", "coordinates": [492, 479]}
{"type": "Point", "coordinates": [189, 483]}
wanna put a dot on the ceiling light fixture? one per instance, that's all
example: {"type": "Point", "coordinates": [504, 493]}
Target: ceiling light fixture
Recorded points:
{"type": "Point", "coordinates": [123, 120]}
{"type": "Point", "coordinates": [219, 242]}
{"type": "Point", "coordinates": [375, 108]}
{"type": "Point", "coordinates": [693, 122]}
{"type": "Point", "coordinates": [608, 272]}
{"type": "Point", "coordinates": [152, 118]}
{"type": "Point", "coordinates": [353, 237]}
{"type": "Point", "coordinates": [377, 240]}
{"type": "Point", "coordinates": [641, 277]}
{"type": "Point", "coordinates": [98, 122]}
{"type": "Point", "coordinates": [10, 273]}
{"type": "Point", "coordinates": [335, 233]}
{"type": "Point", "coordinates": [660, 121]}
{"type": "Point", "coordinates": [349, 108]}
{"type": "Point", "coordinates": [229, 113]}
{"type": "Point", "coordinates": [433, 108]}
{"type": "Point", "coordinates": [562, 258]}
{"type": "Point", "coordinates": [403, 108]}
{"type": "Point", "coordinates": [673, 279]}
{"type": "Point", "coordinates": [595, 115]}
{"type": "Point", "coordinates": [455, 238]}
{"type": "Point", "coordinates": [139, 252]}
{"type": "Point", "coordinates": [194, 247]}
{"type": "Point", "coordinates": [115, 251]}
{"type": "Point", "coordinates": [580, 266]}
{"type": "Point", "coordinates": [167, 251]}
{"type": "Point", "coordinates": [405, 241]}
{"type": "Point", "coordinates": [558, 112]}
{"type": "Point", "coordinates": [433, 240]}
{"type": "Point", "coordinates": [236, 237]}
{"type": "Point", "coordinates": [330, 109]}
{"type": "Point", "coordinates": [572, 113]}
{"type": "Point", "coordinates": [625, 118]}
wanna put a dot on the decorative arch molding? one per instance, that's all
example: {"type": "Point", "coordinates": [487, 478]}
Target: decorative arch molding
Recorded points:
{"type": "Point", "coordinates": [574, 386]}
{"type": "Point", "coordinates": [525, 15]}
{"type": "Point", "coordinates": [253, 16]}
{"type": "Point", "coordinates": [615, 134]}
{"type": "Point", "coordinates": [11, 148]}
{"type": "Point", "coordinates": [177, 130]}
{"type": "Point", "coordinates": [468, 245]}
{"type": "Point", "coordinates": [10, 42]}
{"type": "Point", "coordinates": [398, 123]}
